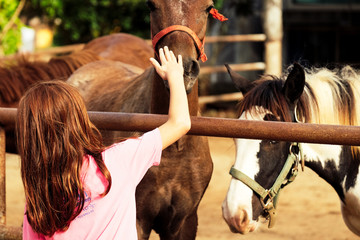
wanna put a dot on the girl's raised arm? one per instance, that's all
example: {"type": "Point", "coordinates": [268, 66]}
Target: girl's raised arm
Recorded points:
{"type": "Point", "coordinates": [178, 123]}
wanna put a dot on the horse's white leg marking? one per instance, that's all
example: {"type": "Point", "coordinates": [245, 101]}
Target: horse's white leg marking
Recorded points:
{"type": "Point", "coordinates": [351, 208]}
{"type": "Point", "coordinates": [351, 211]}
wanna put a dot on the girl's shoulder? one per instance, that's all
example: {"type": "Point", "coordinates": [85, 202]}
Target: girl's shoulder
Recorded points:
{"type": "Point", "coordinates": [151, 137]}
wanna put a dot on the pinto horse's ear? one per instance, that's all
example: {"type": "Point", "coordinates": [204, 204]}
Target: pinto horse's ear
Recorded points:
{"type": "Point", "coordinates": [242, 84]}
{"type": "Point", "coordinates": [294, 84]}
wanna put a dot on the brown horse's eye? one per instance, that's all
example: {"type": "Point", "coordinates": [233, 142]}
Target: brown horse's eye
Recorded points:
{"type": "Point", "coordinates": [151, 5]}
{"type": "Point", "coordinates": [209, 8]}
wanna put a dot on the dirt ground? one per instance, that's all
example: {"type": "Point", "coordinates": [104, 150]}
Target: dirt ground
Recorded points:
{"type": "Point", "coordinates": [308, 208]}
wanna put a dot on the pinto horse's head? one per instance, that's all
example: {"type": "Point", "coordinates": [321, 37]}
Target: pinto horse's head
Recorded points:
{"type": "Point", "coordinates": [181, 25]}
{"type": "Point", "coordinates": [261, 160]}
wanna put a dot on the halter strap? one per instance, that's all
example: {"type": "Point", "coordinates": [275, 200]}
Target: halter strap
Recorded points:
{"type": "Point", "coordinates": [198, 43]}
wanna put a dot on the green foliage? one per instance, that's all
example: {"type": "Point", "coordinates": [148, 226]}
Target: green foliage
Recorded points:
{"type": "Point", "coordinates": [77, 21]}
{"type": "Point", "coordinates": [219, 4]}
{"type": "Point", "coordinates": [10, 40]}
{"type": "Point", "coordinates": [84, 20]}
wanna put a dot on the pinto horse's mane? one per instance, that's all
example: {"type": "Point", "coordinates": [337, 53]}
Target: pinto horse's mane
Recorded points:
{"type": "Point", "coordinates": [267, 93]}
{"type": "Point", "coordinates": [329, 97]}
{"type": "Point", "coordinates": [16, 76]}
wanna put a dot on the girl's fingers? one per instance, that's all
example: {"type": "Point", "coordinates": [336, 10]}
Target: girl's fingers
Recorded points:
{"type": "Point", "coordinates": [155, 63]}
{"type": "Point", "coordinates": [167, 53]}
{"type": "Point", "coordinates": [172, 55]}
{"type": "Point", "coordinates": [162, 56]}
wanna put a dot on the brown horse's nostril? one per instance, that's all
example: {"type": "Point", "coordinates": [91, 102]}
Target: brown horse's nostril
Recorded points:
{"type": "Point", "coordinates": [191, 72]}
{"type": "Point", "coordinates": [191, 68]}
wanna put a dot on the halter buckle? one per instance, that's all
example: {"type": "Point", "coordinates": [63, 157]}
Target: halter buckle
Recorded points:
{"type": "Point", "coordinates": [269, 209]}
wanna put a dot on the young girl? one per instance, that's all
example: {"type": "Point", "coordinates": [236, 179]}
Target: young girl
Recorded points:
{"type": "Point", "coordinates": [74, 187]}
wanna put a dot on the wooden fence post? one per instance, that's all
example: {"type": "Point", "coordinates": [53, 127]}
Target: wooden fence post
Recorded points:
{"type": "Point", "coordinates": [273, 28]}
{"type": "Point", "coordinates": [2, 178]}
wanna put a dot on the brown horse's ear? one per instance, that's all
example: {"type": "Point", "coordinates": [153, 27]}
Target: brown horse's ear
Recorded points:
{"type": "Point", "coordinates": [242, 84]}
{"type": "Point", "coordinates": [294, 84]}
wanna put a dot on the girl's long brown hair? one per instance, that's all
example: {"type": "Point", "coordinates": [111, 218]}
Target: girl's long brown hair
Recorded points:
{"type": "Point", "coordinates": [54, 135]}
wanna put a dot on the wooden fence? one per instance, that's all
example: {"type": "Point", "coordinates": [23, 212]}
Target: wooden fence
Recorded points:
{"type": "Point", "coordinates": [240, 66]}
{"type": "Point", "coordinates": [254, 66]}
{"type": "Point", "coordinates": [219, 127]}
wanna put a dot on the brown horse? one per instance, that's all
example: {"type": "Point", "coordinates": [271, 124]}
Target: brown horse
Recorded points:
{"type": "Point", "coordinates": [122, 47]}
{"type": "Point", "coordinates": [17, 75]}
{"type": "Point", "coordinates": [169, 195]}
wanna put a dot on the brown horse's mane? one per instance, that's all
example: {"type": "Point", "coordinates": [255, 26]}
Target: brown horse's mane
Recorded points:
{"type": "Point", "coordinates": [16, 76]}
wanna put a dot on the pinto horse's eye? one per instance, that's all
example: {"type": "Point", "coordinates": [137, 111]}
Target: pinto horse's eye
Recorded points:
{"type": "Point", "coordinates": [273, 142]}
{"type": "Point", "coordinates": [151, 5]}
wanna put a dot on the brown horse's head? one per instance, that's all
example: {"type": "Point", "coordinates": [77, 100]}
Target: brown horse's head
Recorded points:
{"type": "Point", "coordinates": [189, 13]}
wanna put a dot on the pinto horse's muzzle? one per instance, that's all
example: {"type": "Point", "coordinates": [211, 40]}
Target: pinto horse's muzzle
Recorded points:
{"type": "Point", "coordinates": [268, 197]}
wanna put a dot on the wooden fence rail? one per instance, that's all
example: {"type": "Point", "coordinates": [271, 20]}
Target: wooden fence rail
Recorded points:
{"type": "Point", "coordinates": [237, 38]}
{"type": "Point", "coordinates": [222, 127]}
{"type": "Point", "coordinates": [209, 39]}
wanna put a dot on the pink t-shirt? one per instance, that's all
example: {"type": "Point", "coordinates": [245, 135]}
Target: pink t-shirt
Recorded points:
{"type": "Point", "coordinates": [113, 216]}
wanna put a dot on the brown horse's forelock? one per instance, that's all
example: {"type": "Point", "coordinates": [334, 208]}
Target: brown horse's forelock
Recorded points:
{"type": "Point", "coordinates": [17, 77]}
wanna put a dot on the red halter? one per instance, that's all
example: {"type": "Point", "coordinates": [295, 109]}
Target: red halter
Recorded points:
{"type": "Point", "coordinates": [198, 43]}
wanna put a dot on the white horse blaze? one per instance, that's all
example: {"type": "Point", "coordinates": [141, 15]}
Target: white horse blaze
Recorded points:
{"type": "Point", "coordinates": [239, 196]}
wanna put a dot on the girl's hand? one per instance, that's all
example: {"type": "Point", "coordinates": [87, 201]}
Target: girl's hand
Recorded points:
{"type": "Point", "coordinates": [169, 64]}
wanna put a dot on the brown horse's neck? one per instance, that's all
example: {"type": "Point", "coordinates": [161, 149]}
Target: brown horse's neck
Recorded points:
{"type": "Point", "coordinates": [160, 97]}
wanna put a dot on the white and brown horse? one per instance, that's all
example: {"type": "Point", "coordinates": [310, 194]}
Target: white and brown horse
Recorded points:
{"type": "Point", "coordinates": [311, 96]}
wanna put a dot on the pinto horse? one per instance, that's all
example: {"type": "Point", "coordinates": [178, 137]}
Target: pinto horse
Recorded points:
{"type": "Point", "coordinates": [316, 95]}
{"type": "Point", "coordinates": [168, 197]}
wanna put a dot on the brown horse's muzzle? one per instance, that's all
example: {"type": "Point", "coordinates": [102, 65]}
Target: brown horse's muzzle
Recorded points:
{"type": "Point", "coordinates": [182, 40]}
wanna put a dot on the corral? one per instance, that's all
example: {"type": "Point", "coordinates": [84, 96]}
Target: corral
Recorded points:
{"type": "Point", "coordinates": [299, 215]}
